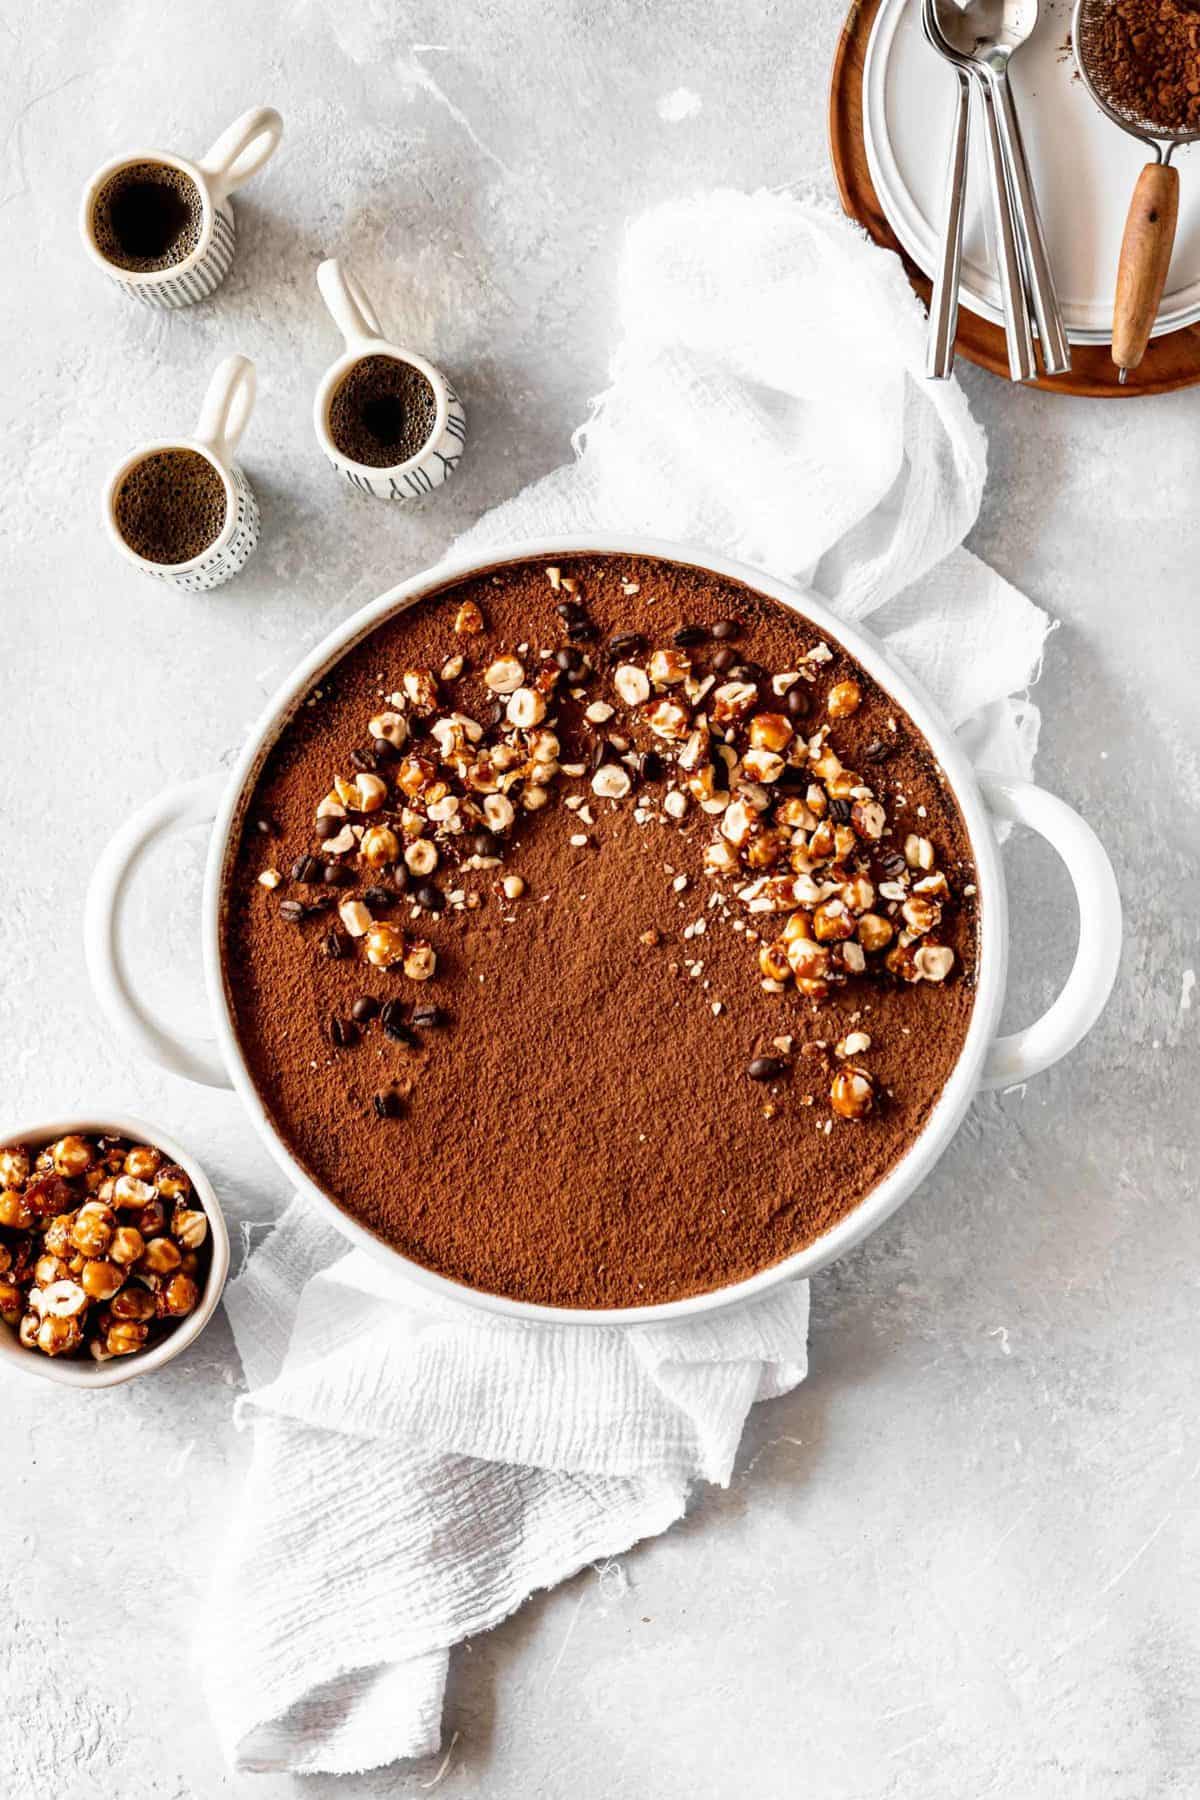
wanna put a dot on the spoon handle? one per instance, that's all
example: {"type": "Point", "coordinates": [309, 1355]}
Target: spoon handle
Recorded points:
{"type": "Point", "coordinates": [943, 305]}
{"type": "Point", "coordinates": [1056, 351]}
{"type": "Point", "coordinates": [1017, 330]}
{"type": "Point", "coordinates": [1145, 258]}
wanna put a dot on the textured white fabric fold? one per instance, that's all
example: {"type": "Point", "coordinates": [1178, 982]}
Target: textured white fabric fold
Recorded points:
{"type": "Point", "coordinates": [418, 1469]}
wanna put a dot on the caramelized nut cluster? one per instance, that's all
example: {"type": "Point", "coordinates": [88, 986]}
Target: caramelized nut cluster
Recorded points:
{"type": "Point", "coordinates": [101, 1245]}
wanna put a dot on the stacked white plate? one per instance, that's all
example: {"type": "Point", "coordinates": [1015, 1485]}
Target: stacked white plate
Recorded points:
{"type": "Point", "coordinates": [1083, 168]}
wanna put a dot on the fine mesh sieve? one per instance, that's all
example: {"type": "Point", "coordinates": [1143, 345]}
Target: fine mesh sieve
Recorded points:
{"type": "Point", "coordinates": [1154, 210]}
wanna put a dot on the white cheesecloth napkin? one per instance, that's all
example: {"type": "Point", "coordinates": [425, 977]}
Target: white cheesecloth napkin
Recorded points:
{"type": "Point", "coordinates": [419, 1469]}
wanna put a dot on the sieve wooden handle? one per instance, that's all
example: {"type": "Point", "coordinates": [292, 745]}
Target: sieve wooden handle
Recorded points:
{"type": "Point", "coordinates": [1145, 258]}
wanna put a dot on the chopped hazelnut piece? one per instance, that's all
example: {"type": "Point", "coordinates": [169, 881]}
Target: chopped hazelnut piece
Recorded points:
{"type": "Point", "coordinates": [504, 676]}
{"type": "Point", "coordinates": [852, 1093]}
{"type": "Point", "coordinates": [420, 964]}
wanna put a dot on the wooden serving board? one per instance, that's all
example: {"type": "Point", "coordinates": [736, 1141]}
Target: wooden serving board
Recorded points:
{"type": "Point", "coordinates": [1170, 362]}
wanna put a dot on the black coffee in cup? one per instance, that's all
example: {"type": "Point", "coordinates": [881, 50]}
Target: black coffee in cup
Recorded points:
{"type": "Point", "coordinates": [383, 412]}
{"type": "Point", "coordinates": [147, 217]}
{"type": "Point", "coordinates": [170, 506]}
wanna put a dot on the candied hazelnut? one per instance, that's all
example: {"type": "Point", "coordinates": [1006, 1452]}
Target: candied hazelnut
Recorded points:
{"type": "Point", "coordinates": [526, 708]}
{"type": "Point", "coordinates": [100, 1280]}
{"type": "Point", "coordinates": [799, 925]}
{"type": "Point", "coordinates": [832, 921]}
{"type": "Point", "coordinates": [858, 894]}
{"type": "Point", "coordinates": [632, 684]}
{"type": "Point", "coordinates": [127, 1245]}
{"type": "Point", "coordinates": [667, 719]}
{"type": "Point", "coordinates": [49, 1267]}
{"type": "Point", "coordinates": [845, 697]}
{"type": "Point", "coordinates": [133, 1303]}
{"type": "Point", "coordinates": [49, 1195]}
{"type": "Point", "coordinates": [901, 961]}
{"type": "Point", "coordinates": [71, 1155]}
{"type": "Point", "coordinates": [143, 1161]}
{"type": "Point", "coordinates": [124, 1338]}
{"type": "Point", "coordinates": [27, 1331]}
{"type": "Point", "coordinates": [356, 917]}
{"type": "Point", "coordinates": [173, 1182]}
{"type": "Point", "coordinates": [920, 914]}
{"type": "Point", "coordinates": [420, 689]}
{"type": "Point", "coordinates": [770, 731]}
{"type": "Point", "coordinates": [918, 852]}
{"type": "Point", "coordinates": [189, 1228]}
{"type": "Point", "coordinates": [12, 1301]}
{"type": "Point", "coordinates": [504, 675]}
{"type": "Point", "coordinates": [178, 1297]}
{"type": "Point", "coordinates": [868, 818]}
{"type": "Point", "coordinates": [152, 1219]}
{"type": "Point", "coordinates": [63, 1299]}
{"type": "Point", "coordinates": [934, 961]}
{"type": "Point", "coordinates": [160, 1257]}
{"type": "Point", "coordinates": [420, 964]}
{"type": "Point", "coordinates": [468, 620]}
{"type": "Point", "coordinates": [668, 668]}
{"type": "Point", "coordinates": [379, 846]}
{"type": "Point", "coordinates": [762, 765]}
{"type": "Point", "coordinates": [14, 1166]}
{"type": "Point", "coordinates": [874, 932]}
{"type": "Point", "coordinates": [383, 947]}
{"type": "Point", "coordinates": [421, 856]}
{"type": "Point", "coordinates": [94, 1225]}
{"type": "Point", "coordinates": [389, 728]}
{"type": "Point", "coordinates": [499, 812]}
{"type": "Point", "coordinates": [732, 701]}
{"type": "Point", "coordinates": [773, 961]}
{"type": "Point", "coordinates": [131, 1190]}
{"type": "Point", "coordinates": [852, 1094]}
{"type": "Point", "coordinates": [57, 1235]}
{"type": "Point", "coordinates": [767, 848]}
{"type": "Point", "coordinates": [15, 1210]}
{"type": "Point", "coordinates": [810, 965]}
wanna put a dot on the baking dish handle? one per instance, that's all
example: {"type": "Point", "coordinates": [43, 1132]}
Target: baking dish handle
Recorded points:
{"type": "Point", "coordinates": [1014, 1058]}
{"type": "Point", "coordinates": [191, 803]}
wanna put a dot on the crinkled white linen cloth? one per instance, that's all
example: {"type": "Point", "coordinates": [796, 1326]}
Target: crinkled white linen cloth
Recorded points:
{"type": "Point", "coordinates": [418, 1469]}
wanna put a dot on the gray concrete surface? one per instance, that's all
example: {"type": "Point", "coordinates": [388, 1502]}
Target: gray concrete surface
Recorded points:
{"type": "Point", "coordinates": [962, 1559]}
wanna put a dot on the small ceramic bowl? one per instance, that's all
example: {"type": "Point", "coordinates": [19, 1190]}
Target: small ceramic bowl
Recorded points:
{"type": "Point", "coordinates": [84, 1372]}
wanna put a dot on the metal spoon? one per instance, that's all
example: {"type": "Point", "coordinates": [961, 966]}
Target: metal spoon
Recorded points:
{"type": "Point", "coordinates": [943, 302]}
{"type": "Point", "coordinates": [1017, 332]}
{"type": "Point", "coordinates": [989, 33]}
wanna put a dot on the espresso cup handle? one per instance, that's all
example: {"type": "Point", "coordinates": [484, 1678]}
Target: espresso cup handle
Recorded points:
{"type": "Point", "coordinates": [241, 151]}
{"type": "Point", "coordinates": [348, 304]}
{"type": "Point", "coordinates": [191, 803]}
{"type": "Point", "coordinates": [1014, 1058]}
{"type": "Point", "coordinates": [227, 406]}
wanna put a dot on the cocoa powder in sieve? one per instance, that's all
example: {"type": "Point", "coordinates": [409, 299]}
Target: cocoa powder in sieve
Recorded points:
{"type": "Point", "coordinates": [1144, 57]}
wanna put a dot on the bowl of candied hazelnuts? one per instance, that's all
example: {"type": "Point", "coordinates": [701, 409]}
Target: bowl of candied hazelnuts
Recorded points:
{"type": "Point", "coordinates": [113, 1251]}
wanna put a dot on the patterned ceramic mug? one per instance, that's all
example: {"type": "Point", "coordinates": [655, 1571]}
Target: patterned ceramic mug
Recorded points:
{"type": "Point", "coordinates": [440, 449]}
{"type": "Point", "coordinates": [177, 215]}
{"type": "Point", "coordinates": [223, 417]}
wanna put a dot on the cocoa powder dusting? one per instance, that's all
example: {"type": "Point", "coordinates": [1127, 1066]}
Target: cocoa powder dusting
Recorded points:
{"type": "Point", "coordinates": [580, 1127]}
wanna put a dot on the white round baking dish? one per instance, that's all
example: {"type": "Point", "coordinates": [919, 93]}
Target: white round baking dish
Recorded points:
{"type": "Point", "coordinates": [986, 1061]}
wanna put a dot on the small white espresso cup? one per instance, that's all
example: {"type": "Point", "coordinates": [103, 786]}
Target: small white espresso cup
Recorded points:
{"type": "Point", "coordinates": [440, 454]}
{"type": "Point", "coordinates": [223, 418]}
{"type": "Point", "coordinates": [237, 154]}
